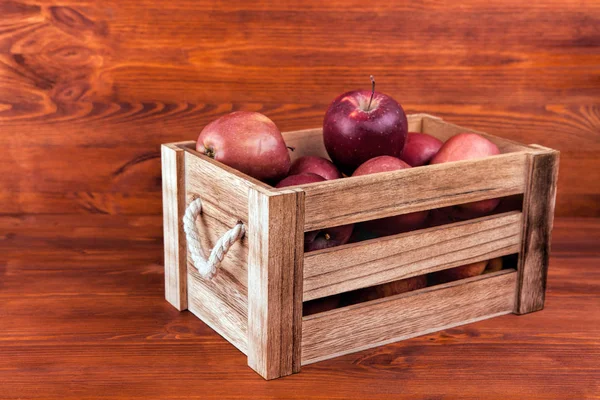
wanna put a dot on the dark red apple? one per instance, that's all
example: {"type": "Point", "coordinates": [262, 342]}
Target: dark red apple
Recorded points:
{"type": "Point", "coordinates": [249, 142]}
{"type": "Point", "coordinates": [327, 237]}
{"type": "Point", "coordinates": [315, 165]}
{"type": "Point", "coordinates": [362, 124]}
{"type": "Point", "coordinates": [468, 146]}
{"type": "Point", "coordinates": [462, 272]}
{"type": "Point", "coordinates": [398, 223]}
{"type": "Point", "coordinates": [324, 238]}
{"type": "Point", "coordinates": [300, 179]}
{"type": "Point", "coordinates": [420, 148]}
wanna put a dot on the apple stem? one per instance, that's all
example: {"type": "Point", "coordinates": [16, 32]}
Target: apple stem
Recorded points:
{"type": "Point", "coordinates": [291, 148]}
{"type": "Point", "coordinates": [372, 91]}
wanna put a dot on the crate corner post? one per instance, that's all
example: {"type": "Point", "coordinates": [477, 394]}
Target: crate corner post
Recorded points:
{"type": "Point", "coordinates": [538, 215]}
{"type": "Point", "coordinates": [275, 262]}
{"type": "Point", "coordinates": [175, 252]}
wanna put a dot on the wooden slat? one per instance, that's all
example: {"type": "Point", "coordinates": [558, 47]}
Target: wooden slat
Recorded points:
{"type": "Point", "coordinates": [362, 198]}
{"type": "Point", "coordinates": [274, 296]}
{"type": "Point", "coordinates": [372, 262]}
{"type": "Point", "coordinates": [309, 142]}
{"type": "Point", "coordinates": [407, 315]}
{"type": "Point", "coordinates": [443, 130]}
{"type": "Point", "coordinates": [538, 216]}
{"type": "Point", "coordinates": [174, 238]}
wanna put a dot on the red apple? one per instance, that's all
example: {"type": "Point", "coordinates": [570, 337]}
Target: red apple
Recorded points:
{"type": "Point", "coordinates": [249, 142]}
{"type": "Point", "coordinates": [300, 179]}
{"type": "Point", "coordinates": [454, 274]}
{"type": "Point", "coordinates": [315, 165]}
{"type": "Point", "coordinates": [360, 125]}
{"type": "Point", "coordinates": [324, 238]}
{"type": "Point", "coordinates": [468, 146]}
{"type": "Point", "coordinates": [327, 237]}
{"type": "Point", "coordinates": [494, 265]}
{"type": "Point", "coordinates": [398, 223]}
{"type": "Point", "coordinates": [385, 290]}
{"type": "Point", "coordinates": [420, 148]}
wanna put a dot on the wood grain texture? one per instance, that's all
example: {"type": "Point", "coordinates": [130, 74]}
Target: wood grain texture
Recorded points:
{"type": "Point", "coordinates": [363, 198]}
{"type": "Point", "coordinates": [84, 316]}
{"type": "Point", "coordinates": [276, 240]}
{"type": "Point", "coordinates": [538, 215]}
{"type": "Point", "coordinates": [357, 265]}
{"type": "Point", "coordinates": [406, 315]}
{"type": "Point", "coordinates": [174, 237]}
{"type": "Point", "coordinates": [100, 85]}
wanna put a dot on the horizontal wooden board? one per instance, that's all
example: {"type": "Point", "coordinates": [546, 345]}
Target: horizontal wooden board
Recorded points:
{"type": "Point", "coordinates": [372, 262]}
{"type": "Point", "coordinates": [362, 326]}
{"type": "Point", "coordinates": [368, 197]}
{"type": "Point", "coordinates": [444, 131]}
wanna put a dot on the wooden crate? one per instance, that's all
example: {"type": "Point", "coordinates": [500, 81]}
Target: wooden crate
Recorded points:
{"type": "Point", "coordinates": [255, 299]}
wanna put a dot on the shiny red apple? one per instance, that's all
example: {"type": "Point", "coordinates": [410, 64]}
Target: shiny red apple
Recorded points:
{"type": "Point", "coordinates": [324, 238]}
{"type": "Point", "coordinates": [315, 165]}
{"type": "Point", "coordinates": [249, 142]}
{"type": "Point", "coordinates": [420, 148]}
{"type": "Point", "coordinates": [468, 146]}
{"type": "Point", "coordinates": [398, 223]}
{"type": "Point", "coordinates": [361, 125]}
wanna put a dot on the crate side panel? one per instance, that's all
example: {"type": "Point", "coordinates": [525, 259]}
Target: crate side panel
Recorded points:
{"type": "Point", "coordinates": [344, 201]}
{"type": "Point", "coordinates": [357, 265]}
{"type": "Point", "coordinates": [388, 320]}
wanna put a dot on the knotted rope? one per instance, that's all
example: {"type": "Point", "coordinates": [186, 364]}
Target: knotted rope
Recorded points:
{"type": "Point", "coordinates": [207, 268]}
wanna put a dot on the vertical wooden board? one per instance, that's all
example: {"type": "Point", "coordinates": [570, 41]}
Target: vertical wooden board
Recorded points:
{"type": "Point", "coordinates": [173, 186]}
{"type": "Point", "coordinates": [538, 216]}
{"type": "Point", "coordinates": [274, 282]}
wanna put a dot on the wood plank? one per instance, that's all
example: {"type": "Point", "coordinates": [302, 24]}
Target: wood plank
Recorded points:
{"type": "Point", "coordinates": [274, 296]}
{"type": "Point", "coordinates": [372, 262]}
{"type": "Point", "coordinates": [538, 216]}
{"type": "Point", "coordinates": [174, 236]}
{"type": "Point", "coordinates": [444, 131]}
{"type": "Point", "coordinates": [407, 315]}
{"type": "Point", "coordinates": [363, 198]}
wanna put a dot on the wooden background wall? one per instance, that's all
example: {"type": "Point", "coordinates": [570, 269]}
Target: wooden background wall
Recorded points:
{"type": "Point", "coordinates": [90, 89]}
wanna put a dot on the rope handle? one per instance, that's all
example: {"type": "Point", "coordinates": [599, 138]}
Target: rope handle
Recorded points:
{"type": "Point", "coordinates": [207, 268]}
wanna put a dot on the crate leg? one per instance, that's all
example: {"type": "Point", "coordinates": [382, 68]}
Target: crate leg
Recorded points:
{"type": "Point", "coordinates": [172, 159]}
{"type": "Point", "coordinates": [276, 238]}
{"type": "Point", "coordinates": [538, 215]}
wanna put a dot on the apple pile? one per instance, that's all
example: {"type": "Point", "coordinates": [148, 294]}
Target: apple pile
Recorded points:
{"type": "Point", "coordinates": [364, 132]}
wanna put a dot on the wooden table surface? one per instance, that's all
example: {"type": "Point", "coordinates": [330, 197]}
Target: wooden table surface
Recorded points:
{"type": "Point", "coordinates": [83, 316]}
